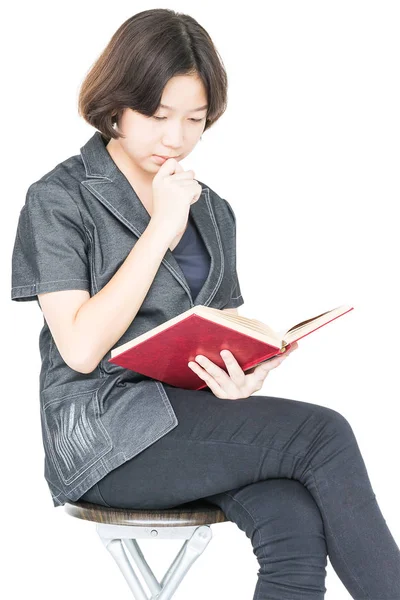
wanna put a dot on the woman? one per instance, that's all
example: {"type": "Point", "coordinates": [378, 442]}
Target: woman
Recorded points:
{"type": "Point", "coordinates": [118, 239]}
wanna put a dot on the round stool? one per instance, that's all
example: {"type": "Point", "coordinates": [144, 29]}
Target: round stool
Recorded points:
{"type": "Point", "coordinates": [119, 529]}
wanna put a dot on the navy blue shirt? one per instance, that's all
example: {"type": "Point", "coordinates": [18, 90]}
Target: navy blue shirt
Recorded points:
{"type": "Point", "coordinates": [193, 258]}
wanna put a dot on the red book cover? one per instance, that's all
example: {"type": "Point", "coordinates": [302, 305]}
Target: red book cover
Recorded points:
{"type": "Point", "coordinates": [165, 355]}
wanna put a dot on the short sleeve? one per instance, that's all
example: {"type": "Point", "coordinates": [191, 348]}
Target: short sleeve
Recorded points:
{"type": "Point", "coordinates": [236, 294]}
{"type": "Point", "coordinates": [50, 249]}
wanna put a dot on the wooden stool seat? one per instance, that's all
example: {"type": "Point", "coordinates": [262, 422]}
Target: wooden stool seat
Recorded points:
{"type": "Point", "coordinates": [119, 528]}
{"type": "Point", "coordinates": [191, 513]}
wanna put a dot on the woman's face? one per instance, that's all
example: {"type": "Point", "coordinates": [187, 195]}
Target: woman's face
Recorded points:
{"type": "Point", "coordinates": [171, 132]}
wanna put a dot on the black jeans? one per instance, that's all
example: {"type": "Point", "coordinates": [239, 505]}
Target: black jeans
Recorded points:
{"type": "Point", "coordinates": [291, 476]}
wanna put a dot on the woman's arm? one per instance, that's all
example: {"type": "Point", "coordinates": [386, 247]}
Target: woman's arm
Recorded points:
{"type": "Point", "coordinates": [84, 328]}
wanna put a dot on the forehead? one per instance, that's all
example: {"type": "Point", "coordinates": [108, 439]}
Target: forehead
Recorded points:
{"type": "Point", "coordinates": [185, 93]}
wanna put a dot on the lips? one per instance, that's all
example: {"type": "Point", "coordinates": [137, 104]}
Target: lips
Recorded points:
{"type": "Point", "coordinates": [160, 160]}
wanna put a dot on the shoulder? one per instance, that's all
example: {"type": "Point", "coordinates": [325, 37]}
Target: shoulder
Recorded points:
{"type": "Point", "coordinates": [52, 202]}
{"type": "Point", "coordinates": [66, 175]}
{"type": "Point", "coordinates": [219, 204]}
{"type": "Point", "coordinates": [59, 186]}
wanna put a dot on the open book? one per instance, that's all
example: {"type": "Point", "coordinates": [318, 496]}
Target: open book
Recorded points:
{"type": "Point", "coordinates": [163, 352]}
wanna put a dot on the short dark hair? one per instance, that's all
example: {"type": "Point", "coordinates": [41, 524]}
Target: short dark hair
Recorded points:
{"type": "Point", "coordinates": [142, 55]}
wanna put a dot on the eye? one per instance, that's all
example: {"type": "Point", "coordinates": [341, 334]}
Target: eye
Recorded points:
{"type": "Point", "coordinates": [194, 120]}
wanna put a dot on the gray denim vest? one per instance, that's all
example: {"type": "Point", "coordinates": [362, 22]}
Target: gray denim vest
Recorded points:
{"type": "Point", "coordinates": [78, 225]}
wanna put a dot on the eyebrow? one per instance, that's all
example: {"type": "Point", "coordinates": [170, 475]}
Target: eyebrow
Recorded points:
{"type": "Point", "coordinates": [193, 110]}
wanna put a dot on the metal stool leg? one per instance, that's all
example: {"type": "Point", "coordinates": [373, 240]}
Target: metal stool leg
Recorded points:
{"type": "Point", "coordinates": [189, 552]}
{"type": "Point", "coordinates": [117, 551]}
{"type": "Point", "coordinates": [148, 575]}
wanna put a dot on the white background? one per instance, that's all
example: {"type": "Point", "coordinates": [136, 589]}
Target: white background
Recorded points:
{"type": "Point", "coordinates": [307, 153]}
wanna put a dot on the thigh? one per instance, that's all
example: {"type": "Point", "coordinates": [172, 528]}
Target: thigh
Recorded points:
{"type": "Point", "coordinates": [217, 445]}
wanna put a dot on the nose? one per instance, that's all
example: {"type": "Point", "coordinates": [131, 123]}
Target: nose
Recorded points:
{"type": "Point", "coordinates": [173, 137]}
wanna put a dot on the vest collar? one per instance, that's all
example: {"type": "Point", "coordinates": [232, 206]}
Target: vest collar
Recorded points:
{"type": "Point", "coordinates": [110, 186]}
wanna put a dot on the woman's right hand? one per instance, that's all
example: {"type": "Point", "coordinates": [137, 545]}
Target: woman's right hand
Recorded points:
{"type": "Point", "coordinates": [235, 383]}
{"type": "Point", "coordinates": [174, 190]}
{"type": "Point", "coordinates": [256, 376]}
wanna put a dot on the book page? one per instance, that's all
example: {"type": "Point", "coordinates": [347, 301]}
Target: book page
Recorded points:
{"type": "Point", "coordinates": [305, 327]}
{"type": "Point", "coordinates": [253, 324]}
{"type": "Point", "coordinates": [299, 325]}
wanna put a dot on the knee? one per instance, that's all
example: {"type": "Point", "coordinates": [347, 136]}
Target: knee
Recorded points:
{"type": "Point", "coordinates": [335, 421]}
{"type": "Point", "coordinates": [294, 505]}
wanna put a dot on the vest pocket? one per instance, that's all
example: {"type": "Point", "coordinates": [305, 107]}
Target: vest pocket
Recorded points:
{"type": "Point", "coordinates": [73, 434]}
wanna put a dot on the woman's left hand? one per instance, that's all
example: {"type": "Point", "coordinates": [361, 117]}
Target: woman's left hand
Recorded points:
{"type": "Point", "coordinates": [236, 383]}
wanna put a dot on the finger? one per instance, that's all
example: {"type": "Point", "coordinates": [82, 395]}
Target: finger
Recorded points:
{"type": "Point", "coordinates": [293, 346]}
{"type": "Point", "coordinates": [184, 175]}
{"type": "Point", "coordinates": [270, 364]}
{"type": "Point", "coordinates": [289, 351]}
{"type": "Point", "coordinates": [208, 379]}
{"type": "Point", "coordinates": [256, 378]}
{"type": "Point", "coordinates": [214, 370]}
{"type": "Point", "coordinates": [169, 167]}
{"type": "Point", "coordinates": [235, 371]}
{"type": "Point", "coordinates": [227, 385]}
